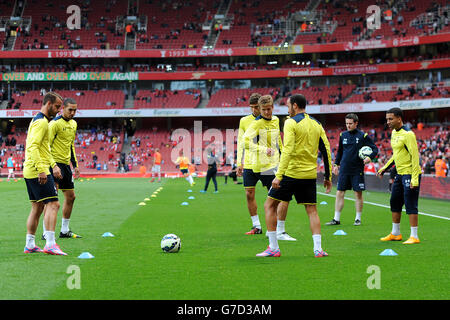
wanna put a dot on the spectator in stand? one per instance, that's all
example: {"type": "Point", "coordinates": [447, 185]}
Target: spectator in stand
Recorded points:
{"type": "Point", "coordinates": [420, 126]}
{"type": "Point", "coordinates": [129, 29]}
{"type": "Point", "coordinates": [427, 166]}
{"type": "Point", "coordinates": [441, 167]}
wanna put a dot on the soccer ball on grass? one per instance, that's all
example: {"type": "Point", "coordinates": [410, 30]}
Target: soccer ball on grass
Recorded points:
{"type": "Point", "coordinates": [171, 243]}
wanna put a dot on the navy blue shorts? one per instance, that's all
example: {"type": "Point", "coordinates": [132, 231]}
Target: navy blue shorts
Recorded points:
{"type": "Point", "coordinates": [184, 171]}
{"type": "Point", "coordinates": [402, 194]}
{"type": "Point", "coordinates": [304, 190]}
{"type": "Point", "coordinates": [66, 183]}
{"type": "Point", "coordinates": [351, 181]}
{"type": "Point", "coordinates": [42, 192]}
{"type": "Point", "coordinates": [251, 179]}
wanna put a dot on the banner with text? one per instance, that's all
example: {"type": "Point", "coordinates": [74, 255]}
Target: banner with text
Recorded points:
{"type": "Point", "coordinates": [297, 48]}
{"type": "Point", "coordinates": [238, 111]}
{"type": "Point", "coordinates": [69, 76]}
{"type": "Point", "coordinates": [241, 74]}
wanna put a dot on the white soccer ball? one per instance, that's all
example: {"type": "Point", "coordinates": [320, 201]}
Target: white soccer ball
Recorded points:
{"type": "Point", "coordinates": [171, 243]}
{"type": "Point", "coordinates": [364, 152]}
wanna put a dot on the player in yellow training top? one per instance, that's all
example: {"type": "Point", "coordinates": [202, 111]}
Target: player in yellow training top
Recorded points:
{"type": "Point", "coordinates": [262, 145]}
{"type": "Point", "coordinates": [405, 189]}
{"type": "Point", "coordinates": [40, 184]}
{"type": "Point", "coordinates": [297, 173]}
{"type": "Point", "coordinates": [244, 167]}
{"type": "Point", "coordinates": [62, 132]}
{"type": "Point", "coordinates": [183, 162]}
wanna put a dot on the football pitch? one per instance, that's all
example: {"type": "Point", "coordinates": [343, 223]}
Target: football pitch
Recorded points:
{"type": "Point", "coordinates": [217, 260]}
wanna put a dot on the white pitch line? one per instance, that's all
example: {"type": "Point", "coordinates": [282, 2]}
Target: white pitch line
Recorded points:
{"type": "Point", "coordinates": [384, 206]}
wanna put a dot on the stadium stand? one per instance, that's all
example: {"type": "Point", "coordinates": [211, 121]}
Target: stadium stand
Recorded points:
{"type": "Point", "coordinates": [2, 39]}
{"type": "Point", "coordinates": [91, 68]}
{"type": "Point", "coordinates": [6, 10]}
{"type": "Point", "coordinates": [167, 99]}
{"type": "Point", "coordinates": [413, 18]}
{"type": "Point", "coordinates": [65, 68]}
{"type": "Point", "coordinates": [97, 149]}
{"type": "Point", "coordinates": [324, 95]}
{"type": "Point", "coordinates": [87, 99]}
{"type": "Point", "coordinates": [350, 19]}
{"type": "Point", "coordinates": [98, 25]}
{"type": "Point", "coordinates": [315, 94]}
{"type": "Point", "coordinates": [174, 25]}
{"type": "Point", "coordinates": [143, 145]}
{"type": "Point", "coordinates": [254, 21]}
{"type": "Point", "coordinates": [408, 93]}
{"type": "Point", "coordinates": [105, 145]}
{"type": "Point", "coordinates": [38, 68]}
{"type": "Point", "coordinates": [6, 7]}
{"type": "Point", "coordinates": [238, 97]}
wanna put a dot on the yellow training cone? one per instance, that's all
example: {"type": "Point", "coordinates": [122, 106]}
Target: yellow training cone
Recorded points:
{"type": "Point", "coordinates": [142, 203]}
{"type": "Point", "coordinates": [147, 199]}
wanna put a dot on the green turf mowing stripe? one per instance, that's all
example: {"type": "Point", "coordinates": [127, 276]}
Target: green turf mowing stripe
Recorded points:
{"type": "Point", "coordinates": [101, 205]}
{"type": "Point", "coordinates": [217, 260]}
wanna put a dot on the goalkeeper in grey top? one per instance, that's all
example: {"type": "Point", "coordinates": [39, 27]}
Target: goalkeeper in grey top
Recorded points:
{"type": "Point", "coordinates": [349, 167]}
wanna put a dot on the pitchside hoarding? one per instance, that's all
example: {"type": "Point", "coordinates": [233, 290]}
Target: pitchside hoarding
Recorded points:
{"type": "Point", "coordinates": [69, 76]}
{"type": "Point", "coordinates": [232, 51]}
{"type": "Point", "coordinates": [430, 186]}
{"type": "Point", "coordinates": [238, 111]}
{"type": "Point", "coordinates": [215, 75]}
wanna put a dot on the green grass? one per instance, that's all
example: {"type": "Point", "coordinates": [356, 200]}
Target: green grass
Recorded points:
{"type": "Point", "coordinates": [216, 261]}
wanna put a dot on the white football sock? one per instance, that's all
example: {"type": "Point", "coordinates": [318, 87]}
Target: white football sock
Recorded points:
{"type": "Point", "coordinates": [30, 244]}
{"type": "Point", "coordinates": [337, 216]}
{"type": "Point", "coordinates": [395, 229]}
{"type": "Point", "coordinates": [43, 227]}
{"type": "Point", "coordinates": [50, 238]}
{"type": "Point", "coordinates": [189, 179]}
{"type": "Point", "coordinates": [358, 216]}
{"type": "Point", "coordinates": [255, 221]}
{"type": "Point", "coordinates": [414, 232]}
{"type": "Point", "coordinates": [317, 238]}
{"type": "Point", "coordinates": [65, 225]}
{"type": "Point", "coordinates": [273, 241]}
{"type": "Point", "coordinates": [281, 226]}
